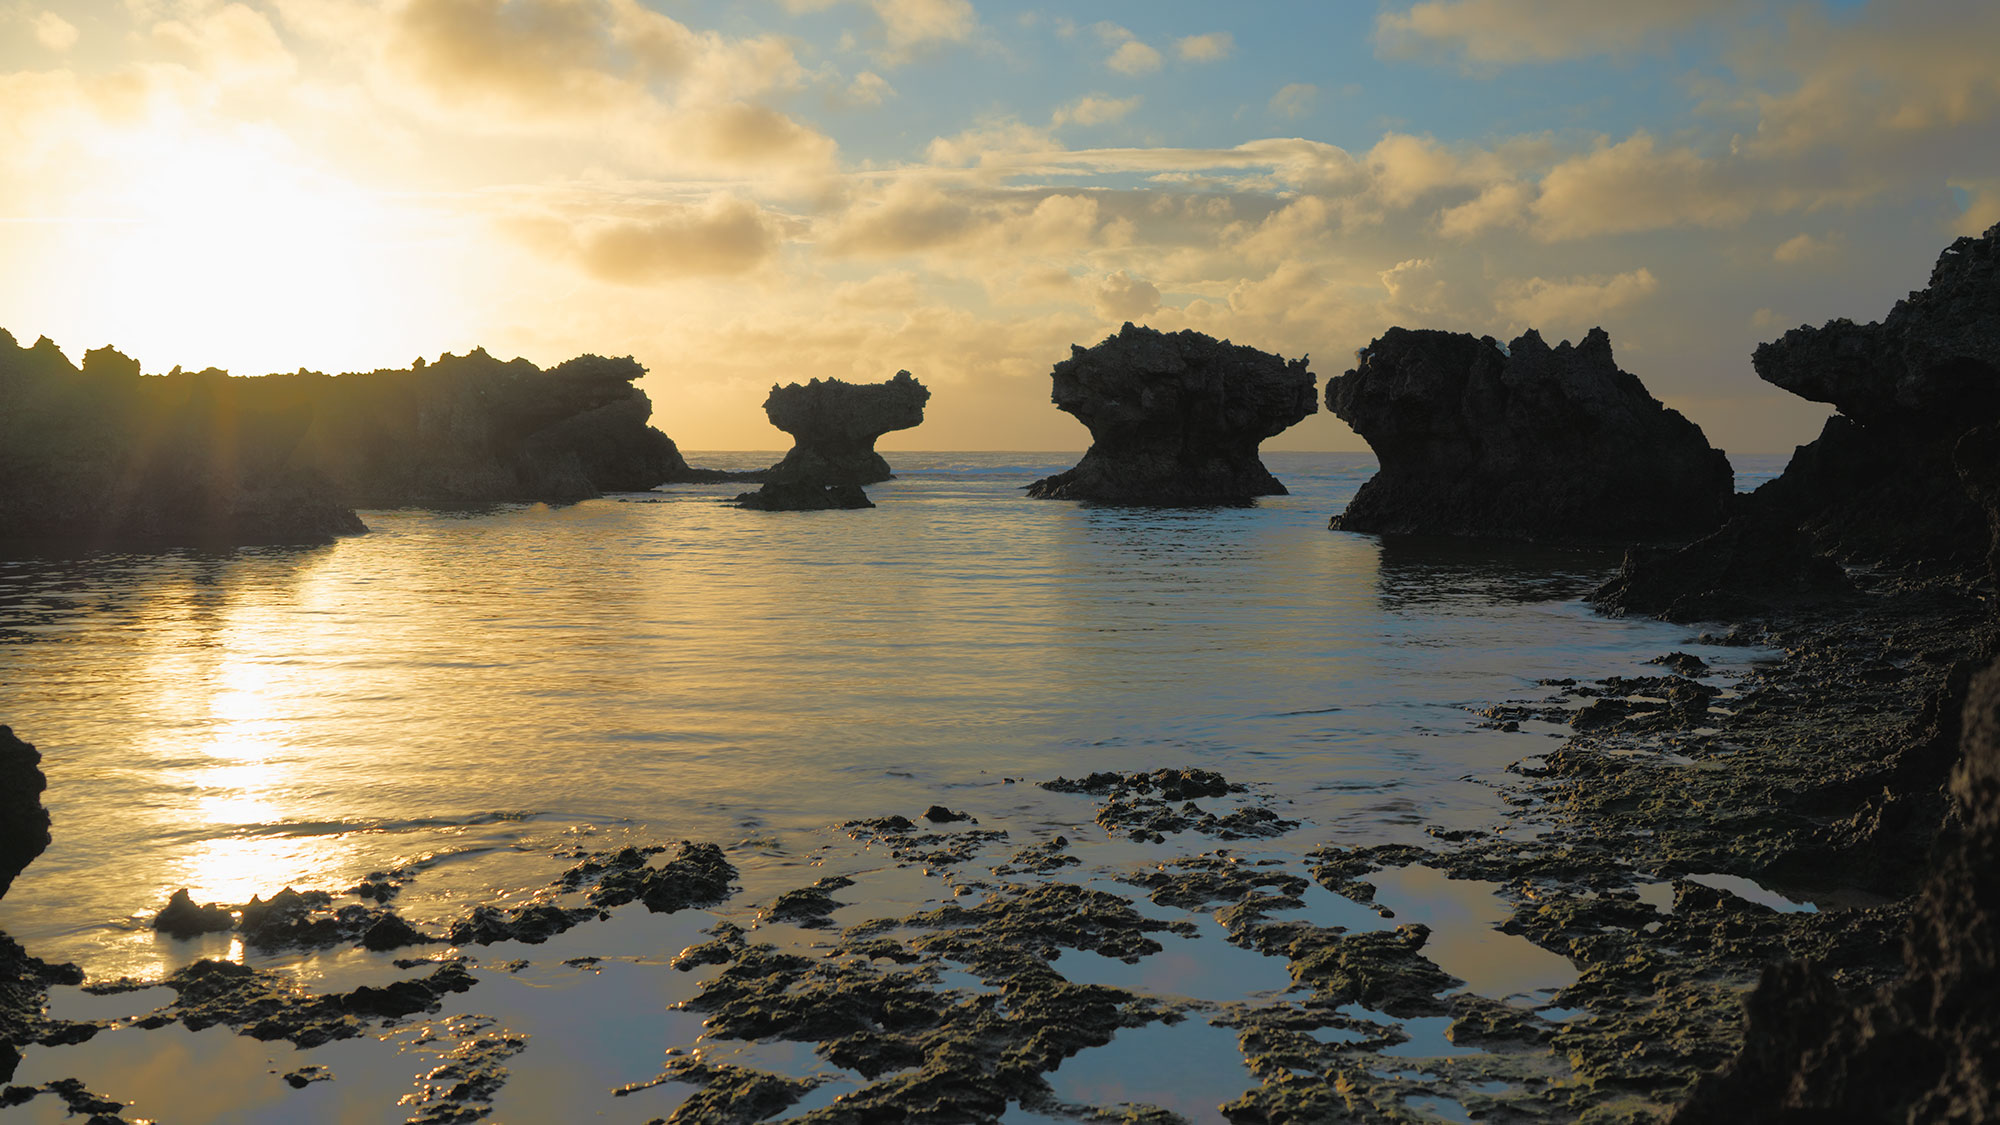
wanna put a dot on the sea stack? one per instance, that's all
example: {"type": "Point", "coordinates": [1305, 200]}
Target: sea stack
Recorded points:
{"type": "Point", "coordinates": [834, 425]}
{"type": "Point", "coordinates": [1175, 418]}
{"type": "Point", "coordinates": [1524, 442]}
{"type": "Point", "coordinates": [1904, 475]}
{"type": "Point", "coordinates": [24, 823]}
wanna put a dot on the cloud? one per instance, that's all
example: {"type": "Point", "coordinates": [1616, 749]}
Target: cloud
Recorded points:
{"type": "Point", "coordinates": [1122, 297]}
{"type": "Point", "coordinates": [1504, 204]}
{"type": "Point", "coordinates": [612, 72]}
{"type": "Point", "coordinates": [1095, 109]}
{"type": "Point", "coordinates": [1634, 185]}
{"type": "Point", "coordinates": [1210, 47]}
{"type": "Point", "coordinates": [660, 242]}
{"type": "Point", "coordinates": [1294, 100]}
{"type": "Point", "coordinates": [869, 88]}
{"type": "Point", "coordinates": [1803, 248]}
{"type": "Point", "coordinates": [233, 43]}
{"type": "Point", "coordinates": [54, 32]}
{"type": "Point", "coordinates": [1536, 301]}
{"type": "Point", "coordinates": [1129, 56]}
{"type": "Point", "coordinates": [1133, 59]}
{"type": "Point", "coordinates": [1521, 31]}
{"type": "Point", "coordinates": [910, 25]}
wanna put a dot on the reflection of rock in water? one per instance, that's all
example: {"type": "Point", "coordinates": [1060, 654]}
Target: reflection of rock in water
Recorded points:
{"type": "Point", "coordinates": [1527, 442]}
{"type": "Point", "coordinates": [1175, 418]}
{"type": "Point", "coordinates": [1422, 569]}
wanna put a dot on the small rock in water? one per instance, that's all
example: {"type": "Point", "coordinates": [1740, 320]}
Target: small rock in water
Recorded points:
{"type": "Point", "coordinates": [182, 918]}
{"type": "Point", "coordinates": [938, 814]}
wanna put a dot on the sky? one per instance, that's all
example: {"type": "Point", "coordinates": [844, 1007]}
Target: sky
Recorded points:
{"type": "Point", "coordinates": [752, 192]}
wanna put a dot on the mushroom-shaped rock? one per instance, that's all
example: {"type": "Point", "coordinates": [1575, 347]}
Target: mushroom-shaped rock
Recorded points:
{"type": "Point", "coordinates": [834, 425]}
{"type": "Point", "coordinates": [1175, 418]}
{"type": "Point", "coordinates": [24, 823]}
{"type": "Point", "coordinates": [1523, 442]}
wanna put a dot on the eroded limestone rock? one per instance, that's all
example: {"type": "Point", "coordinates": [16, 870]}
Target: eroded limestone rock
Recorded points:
{"type": "Point", "coordinates": [1523, 442]}
{"type": "Point", "coordinates": [1175, 418]}
{"type": "Point", "coordinates": [24, 823]}
{"type": "Point", "coordinates": [834, 425]}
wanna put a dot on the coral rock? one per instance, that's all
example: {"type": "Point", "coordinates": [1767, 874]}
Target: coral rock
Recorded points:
{"type": "Point", "coordinates": [1175, 418]}
{"type": "Point", "coordinates": [1526, 442]}
{"type": "Point", "coordinates": [834, 425]}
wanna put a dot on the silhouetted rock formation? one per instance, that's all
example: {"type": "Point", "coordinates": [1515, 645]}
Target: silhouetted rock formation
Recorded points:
{"type": "Point", "coordinates": [473, 429]}
{"type": "Point", "coordinates": [834, 425]}
{"type": "Point", "coordinates": [1904, 474]}
{"type": "Point", "coordinates": [1175, 418]}
{"type": "Point", "coordinates": [1926, 1048]}
{"type": "Point", "coordinates": [108, 457]}
{"type": "Point", "coordinates": [105, 457]}
{"type": "Point", "coordinates": [24, 823]}
{"type": "Point", "coordinates": [1529, 442]}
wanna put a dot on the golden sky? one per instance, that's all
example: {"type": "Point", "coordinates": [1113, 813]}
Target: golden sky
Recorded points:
{"type": "Point", "coordinates": [756, 191]}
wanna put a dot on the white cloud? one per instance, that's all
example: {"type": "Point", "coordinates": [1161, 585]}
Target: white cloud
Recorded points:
{"type": "Point", "coordinates": [1294, 100]}
{"type": "Point", "coordinates": [1095, 109]}
{"type": "Point", "coordinates": [1206, 48]}
{"type": "Point", "coordinates": [54, 32]}
{"type": "Point", "coordinates": [1802, 248]}
{"type": "Point", "coordinates": [234, 43]}
{"type": "Point", "coordinates": [1133, 58]}
{"type": "Point", "coordinates": [1536, 302]}
{"type": "Point", "coordinates": [660, 242]}
{"type": "Point", "coordinates": [869, 88]}
{"type": "Point", "coordinates": [1517, 31]}
{"type": "Point", "coordinates": [1122, 297]}
{"type": "Point", "coordinates": [910, 25]}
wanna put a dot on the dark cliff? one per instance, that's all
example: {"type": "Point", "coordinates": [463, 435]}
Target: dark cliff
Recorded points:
{"type": "Point", "coordinates": [103, 456]}
{"type": "Point", "coordinates": [1175, 418]}
{"type": "Point", "coordinates": [1530, 442]}
{"type": "Point", "coordinates": [1902, 477]}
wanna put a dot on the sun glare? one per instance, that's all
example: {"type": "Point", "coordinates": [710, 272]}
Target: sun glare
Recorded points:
{"type": "Point", "coordinates": [228, 252]}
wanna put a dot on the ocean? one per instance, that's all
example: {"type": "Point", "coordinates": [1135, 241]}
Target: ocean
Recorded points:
{"type": "Point", "coordinates": [465, 693]}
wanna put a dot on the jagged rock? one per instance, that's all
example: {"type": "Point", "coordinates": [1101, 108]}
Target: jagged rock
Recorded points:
{"type": "Point", "coordinates": [108, 457]}
{"type": "Point", "coordinates": [1925, 1048]}
{"type": "Point", "coordinates": [1903, 476]}
{"type": "Point", "coordinates": [24, 823]}
{"type": "Point", "coordinates": [1175, 418]}
{"type": "Point", "coordinates": [834, 425]}
{"type": "Point", "coordinates": [182, 917]}
{"type": "Point", "coordinates": [1526, 442]}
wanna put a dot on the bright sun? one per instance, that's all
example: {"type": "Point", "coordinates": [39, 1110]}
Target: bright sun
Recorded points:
{"type": "Point", "coordinates": [227, 251]}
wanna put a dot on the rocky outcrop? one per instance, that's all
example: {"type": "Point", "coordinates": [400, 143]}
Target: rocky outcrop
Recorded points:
{"type": "Point", "coordinates": [24, 823]}
{"type": "Point", "coordinates": [1523, 442]}
{"type": "Point", "coordinates": [1175, 418]}
{"type": "Point", "coordinates": [107, 457]}
{"type": "Point", "coordinates": [834, 425]}
{"type": "Point", "coordinates": [1926, 1048]}
{"type": "Point", "coordinates": [1902, 477]}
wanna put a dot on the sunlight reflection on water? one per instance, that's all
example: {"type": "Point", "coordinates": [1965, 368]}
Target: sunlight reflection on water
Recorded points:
{"type": "Point", "coordinates": [487, 679]}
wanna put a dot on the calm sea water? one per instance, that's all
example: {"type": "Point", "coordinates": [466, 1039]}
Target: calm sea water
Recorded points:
{"type": "Point", "coordinates": [466, 687]}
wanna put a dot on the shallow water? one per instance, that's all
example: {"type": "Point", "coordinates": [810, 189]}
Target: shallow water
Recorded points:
{"type": "Point", "coordinates": [469, 690]}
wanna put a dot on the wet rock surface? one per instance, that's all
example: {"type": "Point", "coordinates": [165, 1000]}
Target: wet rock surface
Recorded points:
{"type": "Point", "coordinates": [1175, 418]}
{"type": "Point", "coordinates": [24, 823]}
{"type": "Point", "coordinates": [834, 426]}
{"type": "Point", "coordinates": [1526, 442]}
